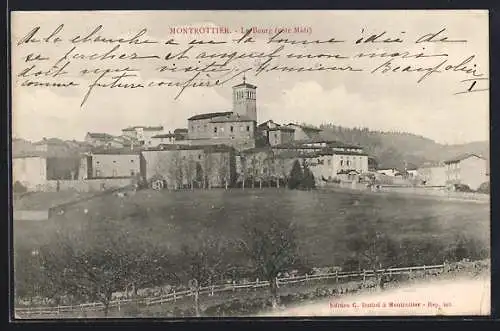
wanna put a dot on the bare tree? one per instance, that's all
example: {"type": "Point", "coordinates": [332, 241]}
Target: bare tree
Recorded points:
{"type": "Point", "coordinates": [176, 169]}
{"type": "Point", "coordinates": [190, 170]}
{"type": "Point", "coordinates": [270, 244]}
{"type": "Point", "coordinates": [202, 261]}
{"type": "Point", "coordinates": [98, 260]}
{"type": "Point", "coordinates": [371, 246]}
{"type": "Point", "coordinates": [208, 167]}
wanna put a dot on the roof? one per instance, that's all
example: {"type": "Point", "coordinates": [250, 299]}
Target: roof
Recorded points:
{"type": "Point", "coordinates": [31, 154]}
{"type": "Point", "coordinates": [232, 117]}
{"type": "Point", "coordinates": [282, 128]}
{"type": "Point", "coordinates": [115, 151]}
{"type": "Point", "coordinates": [266, 123]}
{"type": "Point", "coordinates": [180, 130]}
{"type": "Point", "coordinates": [305, 127]}
{"type": "Point", "coordinates": [166, 135]}
{"type": "Point", "coordinates": [462, 157]}
{"type": "Point", "coordinates": [145, 128]}
{"type": "Point", "coordinates": [99, 135]}
{"type": "Point", "coordinates": [209, 115]}
{"type": "Point", "coordinates": [244, 84]}
{"type": "Point", "coordinates": [206, 148]}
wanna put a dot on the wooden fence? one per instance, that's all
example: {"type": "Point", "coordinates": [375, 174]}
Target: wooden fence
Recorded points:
{"type": "Point", "coordinates": [212, 289]}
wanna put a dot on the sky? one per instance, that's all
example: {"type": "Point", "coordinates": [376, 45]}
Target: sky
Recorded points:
{"type": "Point", "coordinates": [354, 99]}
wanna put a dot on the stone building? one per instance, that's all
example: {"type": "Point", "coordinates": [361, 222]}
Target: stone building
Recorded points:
{"type": "Point", "coordinates": [234, 128]}
{"type": "Point", "coordinates": [187, 166]}
{"type": "Point", "coordinates": [467, 169]}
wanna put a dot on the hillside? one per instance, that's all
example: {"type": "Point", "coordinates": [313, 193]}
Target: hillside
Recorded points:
{"type": "Point", "coordinates": [392, 149]}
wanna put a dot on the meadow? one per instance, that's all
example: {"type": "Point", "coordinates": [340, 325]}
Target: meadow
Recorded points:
{"type": "Point", "coordinates": [423, 228]}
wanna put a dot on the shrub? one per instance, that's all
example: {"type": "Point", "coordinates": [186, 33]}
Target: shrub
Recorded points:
{"type": "Point", "coordinates": [19, 188]}
{"type": "Point", "coordinates": [296, 176]}
{"type": "Point", "coordinates": [484, 188]}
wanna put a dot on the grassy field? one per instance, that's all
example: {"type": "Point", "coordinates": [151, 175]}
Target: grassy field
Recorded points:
{"type": "Point", "coordinates": [322, 218]}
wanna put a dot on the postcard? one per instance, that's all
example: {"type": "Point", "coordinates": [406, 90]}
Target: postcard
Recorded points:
{"type": "Point", "coordinates": [184, 164]}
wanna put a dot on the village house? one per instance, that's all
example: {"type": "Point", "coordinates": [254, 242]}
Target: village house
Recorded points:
{"type": "Point", "coordinates": [467, 169]}
{"type": "Point", "coordinates": [303, 132]}
{"type": "Point", "coordinates": [110, 163]}
{"type": "Point", "coordinates": [29, 170]}
{"type": "Point", "coordinates": [177, 166]}
{"type": "Point", "coordinates": [98, 139]}
{"type": "Point", "coordinates": [181, 134]}
{"type": "Point", "coordinates": [143, 134]}
{"type": "Point", "coordinates": [388, 172]}
{"type": "Point", "coordinates": [165, 138]}
{"type": "Point", "coordinates": [432, 174]}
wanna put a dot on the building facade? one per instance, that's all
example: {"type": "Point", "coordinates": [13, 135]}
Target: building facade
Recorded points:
{"type": "Point", "coordinates": [143, 134]}
{"type": "Point", "coordinates": [112, 164]}
{"type": "Point", "coordinates": [167, 138]}
{"type": "Point", "coordinates": [303, 132]}
{"type": "Point", "coordinates": [280, 135]}
{"type": "Point", "coordinates": [30, 171]}
{"type": "Point", "coordinates": [432, 175]}
{"type": "Point", "coordinates": [467, 169]}
{"type": "Point", "coordinates": [185, 166]}
{"type": "Point", "coordinates": [98, 139]}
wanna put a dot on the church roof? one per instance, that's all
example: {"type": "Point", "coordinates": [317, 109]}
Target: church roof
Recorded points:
{"type": "Point", "coordinates": [209, 115]}
{"type": "Point", "coordinates": [245, 85]}
{"type": "Point", "coordinates": [233, 117]}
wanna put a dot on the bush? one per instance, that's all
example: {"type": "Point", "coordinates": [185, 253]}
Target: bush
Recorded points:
{"type": "Point", "coordinates": [19, 188]}
{"type": "Point", "coordinates": [296, 176]}
{"type": "Point", "coordinates": [484, 188]}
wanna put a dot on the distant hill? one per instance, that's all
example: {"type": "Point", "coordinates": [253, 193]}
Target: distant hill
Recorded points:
{"type": "Point", "coordinates": [393, 149]}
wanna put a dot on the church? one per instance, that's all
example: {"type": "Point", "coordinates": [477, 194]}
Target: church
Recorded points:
{"type": "Point", "coordinates": [236, 128]}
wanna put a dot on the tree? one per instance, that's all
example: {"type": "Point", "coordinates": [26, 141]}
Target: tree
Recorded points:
{"type": "Point", "coordinates": [270, 244]}
{"type": "Point", "coordinates": [202, 261]}
{"type": "Point", "coordinates": [199, 174]}
{"type": "Point", "coordinates": [308, 181]}
{"type": "Point", "coordinates": [190, 170]}
{"type": "Point", "coordinates": [370, 245]}
{"type": "Point", "coordinates": [101, 258]}
{"type": "Point", "coordinates": [296, 176]}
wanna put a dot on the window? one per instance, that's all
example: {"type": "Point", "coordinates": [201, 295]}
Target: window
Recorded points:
{"type": "Point", "coordinates": [242, 128]}
{"type": "Point", "coordinates": [114, 161]}
{"type": "Point", "coordinates": [248, 128]}
{"type": "Point", "coordinates": [115, 173]}
{"type": "Point", "coordinates": [341, 163]}
{"type": "Point", "coordinates": [132, 172]}
{"type": "Point", "coordinates": [97, 172]}
{"type": "Point", "coordinates": [215, 129]}
{"type": "Point", "coordinates": [131, 161]}
{"type": "Point", "coordinates": [199, 156]}
{"type": "Point", "coordinates": [232, 128]}
{"type": "Point", "coordinates": [329, 162]}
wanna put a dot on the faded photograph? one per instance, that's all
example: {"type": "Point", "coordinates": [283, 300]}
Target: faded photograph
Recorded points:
{"type": "Point", "coordinates": [185, 164]}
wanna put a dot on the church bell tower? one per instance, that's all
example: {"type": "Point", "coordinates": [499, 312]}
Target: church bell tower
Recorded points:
{"type": "Point", "coordinates": [244, 100]}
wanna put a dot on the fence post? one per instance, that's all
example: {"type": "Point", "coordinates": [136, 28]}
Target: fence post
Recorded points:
{"type": "Point", "coordinates": [256, 284]}
{"type": "Point", "coordinates": [364, 275]}
{"type": "Point", "coordinates": [212, 291]}
{"type": "Point", "coordinates": [424, 267]}
{"type": "Point", "coordinates": [307, 278]}
{"type": "Point", "coordinates": [277, 283]}
{"type": "Point", "coordinates": [234, 285]}
{"type": "Point", "coordinates": [175, 299]}
{"type": "Point", "coordinates": [336, 276]}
